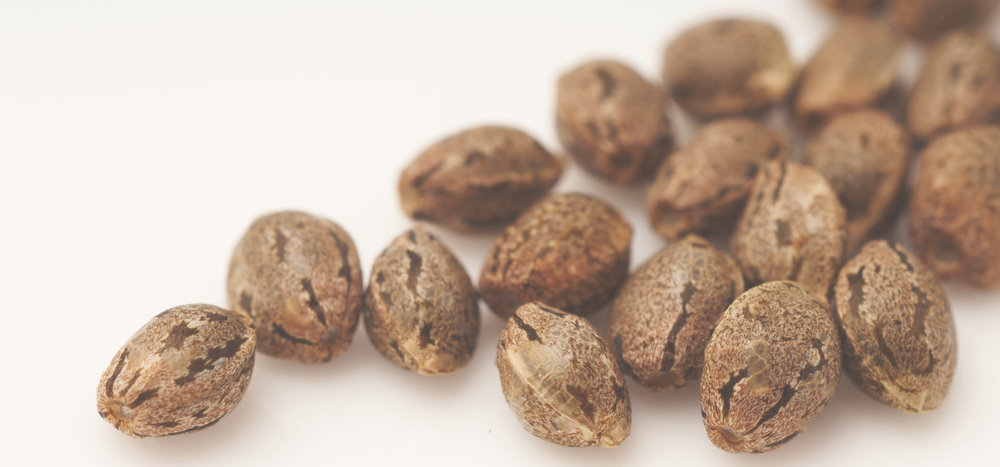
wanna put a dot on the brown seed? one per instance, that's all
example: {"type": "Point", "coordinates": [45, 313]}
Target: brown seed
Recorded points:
{"type": "Point", "coordinates": [854, 7]}
{"type": "Point", "coordinates": [561, 380]}
{"type": "Point", "coordinates": [480, 177]}
{"type": "Point", "coordinates": [792, 228]}
{"type": "Point", "coordinates": [664, 315]}
{"type": "Point", "coordinates": [570, 251]}
{"type": "Point", "coordinates": [958, 87]}
{"type": "Point", "coordinates": [854, 68]}
{"type": "Point", "coordinates": [299, 277]}
{"type": "Point", "coordinates": [702, 186]}
{"type": "Point", "coordinates": [927, 19]}
{"type": "Point", "coordinates": [612, 121]}
{"type": "Point", "coordinates": [421, 311]}
{"type": "Point", "coordinates": [898, 334]}
{"type": "Point", "coordinates": [728, 67]}
{"type": "Point", "coordinates": [181, 372]}
{"type": "Point", "coordinates": [955, 206]}
{"type": "Point", "coordinates": [772, 365]}
{"type": "Point", "coordinates": [864, 155]}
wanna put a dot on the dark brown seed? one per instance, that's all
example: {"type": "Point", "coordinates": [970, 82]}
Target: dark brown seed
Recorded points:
{"type": "Point", "coordinates": [561, 379]}
{"type": "Point", "coordinates": [570, 251]}
{"type": "Point", "coordinates": [181, 372]}
{"type": "Point", "coordinates": [927, 19]}
{"type": "Point", "coordinates": [299, 277]}
{"type": "Point", "coordinates": [421, 310]}
{"type": "Point", "coordinates": [853, 7]}
{"type": "Point", "coordinates": [728, 67]}
{"type": "Point", "coordinates": [955, 206]}
{"type": "Point", "coordinates": [898, 333]}
{"type": "Point", "coordinates": [664, 315]}
{"type": "Point", "coordinates": [479, 178]}
{"type": "Point", "coordinates": [772, 365]}
{"type": "Point", "coordinates": [612, 121]}
{"type": "Point", "coordinates": [792, 228]}
{"type": "Point", "coordinates": [702, 186]}
{"type": "Point", "coordinates": [958, 87]}
{"type": "Point", "coordinates": [864, 155]}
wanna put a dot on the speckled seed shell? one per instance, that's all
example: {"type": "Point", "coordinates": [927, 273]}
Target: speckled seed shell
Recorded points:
{"type": "Point", "coordinates": [561, 380]}
{"type": "Point", "coordinates": [664, 315]}
{"type": "Point", "coordinates": [853, 7]}
{"type": "Point", "coordinates": [854, 68]}
{"type": "Point", "coordinates": [421, 311]}
{"type": "Point", "coordinates": [728, 67]}
{"type": "Point", "coordinates": [927, 19]}
{"type": "Point", "coordinates": [570, 251]}
{"type": "Point", "coordinates": [772, 365]}
{"type": "Point", "coordinates": [958, 87]}
{"type": "Point", "coordinates": [612, 121]}
{"type": "Point", "coordinates": [181, 372]}
{"type": "Point", "coordinates": [299, 277]}
{"type": "Point", "coordinates": [897, 330]}
{"type": "Point", "coordinates": [864, 155]}
{"type": "Point", "coordinates": [478, 178]}
{"type": "Point", "coordinates": [955, 206]}
{"type": "Point", "coordinates": [792, 228]}
{"type": "Point", "coordinates": [702, 187]}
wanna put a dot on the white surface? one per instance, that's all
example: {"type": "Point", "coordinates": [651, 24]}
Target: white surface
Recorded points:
{"type": "Point", "coordinates": [137, 143]}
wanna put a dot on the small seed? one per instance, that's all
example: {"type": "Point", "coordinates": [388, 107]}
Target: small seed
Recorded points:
{"type": "Point", "coordinates": [851, 7]}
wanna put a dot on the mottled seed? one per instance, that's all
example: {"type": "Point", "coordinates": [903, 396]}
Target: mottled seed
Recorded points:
{"type": "Point", "coordinates": [421, 311]}
{"type": "Point", "coordinates": [927, 19]}
{"type": "Point", "coordinates": [728, 67]}
{"type": "Point", "coordinates": [664, 315]}
{"type": "Point", "coordinates": [612, 121]}
{"type": "Point", "coordinates": [181, 372]}
{"type": "Point", "coordinates": [298, 276]}
{"type": "Point", "coordinates": [958, 87]}
{"type": "Point", "coordinates": [771, 366]}
{"type": "Point", "coordinates": [478, 178]}
{"type": "Point", "coordinates": [854, 68]}
{"type": "Point", "coordinates": [702, 186]}
{"type": "Point", "coordinates": [853, 7]}
{"type": "Point", "coordinates": [898, 333]}
{"type": "Point", "coordinates": [792, 228]}
{"type": "Point", "coordinates": [955, 206]}
{"type": "Point", "coordinates": [864, 155]}
{"type": "Point", "coordinates": [570, 251]}
{"type": "Point", "coordinates": [561, 380]}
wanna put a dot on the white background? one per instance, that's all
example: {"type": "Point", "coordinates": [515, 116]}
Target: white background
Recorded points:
{"type": "Point", "coordinates": [138, 141]}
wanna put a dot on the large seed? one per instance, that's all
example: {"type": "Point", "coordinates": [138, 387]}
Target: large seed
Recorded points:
{"type": "Point", "coordinates": [181, 372]}
{"type": "Point", "coordinates": [664, 315]}
{"type": "Point", "coordinates": [772, 365]}
{"type": "Point", "coordinates": [561, 380]}
{"type": "Point", "coordinates": [899, 337]}
{"type": "Point", "coordinates": [299, 277]}
{"type": "Point", "coordinates": [955, 206]}
{"type": "Point", "coordinates": [927, 19]}
{"type": "Point", "coordinates": [480, 177]}
{"type": "Point", "coordinates": [570, 251]}
{"type": "Point", "coordinates": [421, 311]}
{"type": "Point", "coordinates": [612, 121]}
{"type": "Point", "coordinates": [702, 186]}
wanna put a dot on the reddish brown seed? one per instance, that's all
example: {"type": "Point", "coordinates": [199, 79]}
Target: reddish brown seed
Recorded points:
{"type": "Point", "coordinates": [898, 333]}
{"type": "Point", "coordinates": [421, 311]}
{"type": "Point", "coordinates": [728, 67]}
{"type": "Point", "coordinates": [612, 121]}
{"type": "Point", "coordinates": [478, 178]}
{"type": "Point", "coordinates": [854, 7]}
{"type": "Point", "coordinates": [666, 310]}
{"type": "Point", "coordinates": [955, 206]}
{"type": "Point", "coordinates": [561, 380]}
{"type": "Point", "coordinates": [299, 277]}
{"type": "Point", "coordinates": [927, 19]}
{"type": "Point", "coordinates": [792, 229]}
{"type": "Point", "coordinates": [702, 186]}
{"type": "Point", "coordinates": [183, 371]}
{"type": "Point", "coordinates": [772, 365]}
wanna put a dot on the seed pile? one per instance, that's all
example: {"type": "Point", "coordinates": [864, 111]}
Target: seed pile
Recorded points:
{"type": "Point", "coordinates": [806, 288]}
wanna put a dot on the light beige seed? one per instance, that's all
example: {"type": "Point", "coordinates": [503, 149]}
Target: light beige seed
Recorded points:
{"type": "Point", "coordinates": [772, 365]}
{"type": "Point", "coordinates": [561, 379]}
{"type": "Point", "coordinates": [181, 372]}
{"type": "Point", "coordinates": [851, 7]}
